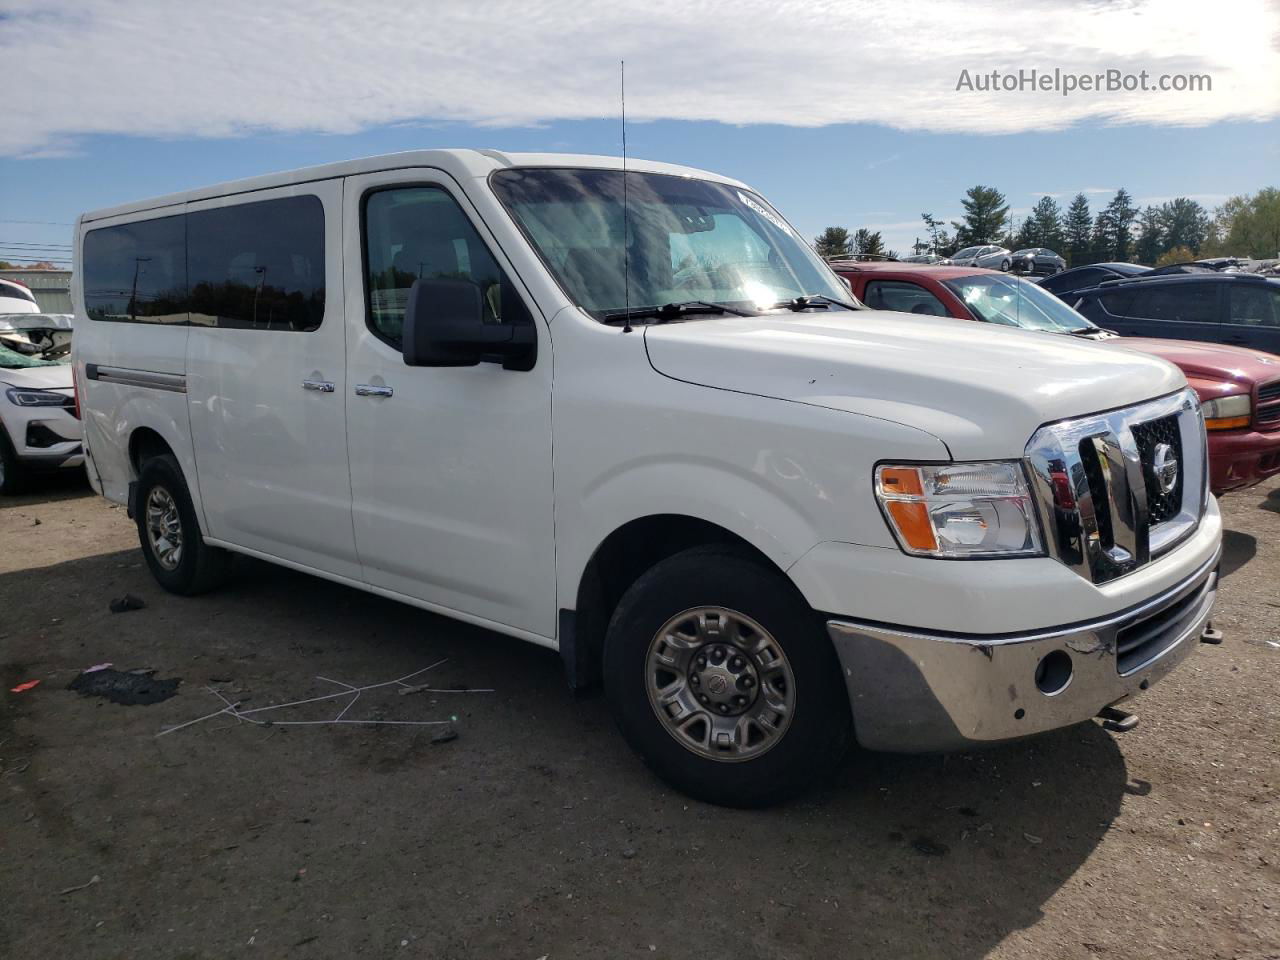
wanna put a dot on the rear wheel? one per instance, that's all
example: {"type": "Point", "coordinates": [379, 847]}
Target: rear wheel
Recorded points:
{"type": "Point", "coordinates": [179, 558]}
{"type": "Point", "coordinates": [12, 475]}
{"type": "Point", "coordinates": [1004, 265]}
{"type": "Point", "coordinates": [722, 678]}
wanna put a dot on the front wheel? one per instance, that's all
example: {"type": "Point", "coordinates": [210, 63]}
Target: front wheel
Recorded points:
{"type": "Point", "coordinates": [722, 678]}
{"type": "Point", "coordinates": [179, 558]}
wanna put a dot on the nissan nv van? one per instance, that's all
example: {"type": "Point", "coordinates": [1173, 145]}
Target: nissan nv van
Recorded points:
{"type": "Point", "coordinates": [627, 414]}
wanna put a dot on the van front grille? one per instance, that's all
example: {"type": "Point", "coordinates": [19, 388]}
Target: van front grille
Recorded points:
{"type": "Point", "coordinates": [1101, 481]}
{"type": "Point", "coordinates": [1150, 437]}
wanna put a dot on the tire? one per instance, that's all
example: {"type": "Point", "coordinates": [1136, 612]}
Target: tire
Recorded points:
{"type": "Point", "coordinates": [766, 762]}
{"type": "Point", "coordinates": [162, 508]}
{"type": "Point", "coordinates": [1004, 265]}
{"type": "Point", "coordinates": [13, 476]}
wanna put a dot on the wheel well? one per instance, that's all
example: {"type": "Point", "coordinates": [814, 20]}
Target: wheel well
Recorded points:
{"type": "Point", "coordinates": [623, 557]}
{"type": "Point", "coordinates": [145, 443]}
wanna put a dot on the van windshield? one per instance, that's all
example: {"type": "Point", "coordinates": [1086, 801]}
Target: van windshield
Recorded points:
{"type": "Point", "coordinates": [1015, 302]}
{"type": "Point", "coordinates": [687, 240]}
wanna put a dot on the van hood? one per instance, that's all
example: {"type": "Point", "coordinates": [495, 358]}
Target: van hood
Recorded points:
{"type": "Point", "coordinates": [981, 390]}
{"type": "Point", "coordinates": [53, 377]}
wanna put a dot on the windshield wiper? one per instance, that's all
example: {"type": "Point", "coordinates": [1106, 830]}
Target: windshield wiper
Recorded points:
{"type": "Point", "coordinates": [671, 311]}
{"type": "Point", "coordinates": [811, 301]}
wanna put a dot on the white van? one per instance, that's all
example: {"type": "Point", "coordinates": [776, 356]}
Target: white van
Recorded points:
{"type": "Point", "coordinates": [766, 517]}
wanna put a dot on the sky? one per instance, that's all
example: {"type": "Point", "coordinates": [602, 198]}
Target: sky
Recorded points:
{"type": "Point", "coordinates": [839, 111]}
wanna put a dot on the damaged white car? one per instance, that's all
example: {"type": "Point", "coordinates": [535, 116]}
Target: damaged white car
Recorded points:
{"type": "Point", "coordinates": [39, 419]}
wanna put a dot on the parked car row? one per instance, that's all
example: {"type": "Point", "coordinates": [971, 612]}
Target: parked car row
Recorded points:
{"type": "Point", "coordinates": [1239, 389]}
{"type": "Point", "coordinates": [1033, 260]}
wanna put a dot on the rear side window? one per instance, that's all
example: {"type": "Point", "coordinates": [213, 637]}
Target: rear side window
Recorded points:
{"type": "Point", "coordinates": [258, 266]}
{"type": "Point", "coordinates": [414, 233]}
{"type": "Point", "coordinates": [1254, 305]}
{"type": "Point", "coordinates": [137, 272]}
{"type": "Point", "coordinates": [1074, 280]}
{"type": "Point", "coordinates": [1179, 302]}
{"type": "Point", "coordinates": [903, 297]}
{"type": "Point", "coordinates": [1118, 303]}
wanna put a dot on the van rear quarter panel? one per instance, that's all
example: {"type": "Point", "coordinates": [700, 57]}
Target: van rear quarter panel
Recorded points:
{"type": "Point", "coordinates": [111, 412]}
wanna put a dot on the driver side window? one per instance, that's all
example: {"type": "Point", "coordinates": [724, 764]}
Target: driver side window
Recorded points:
{"type": "Point", "coordinates": [414, 233]}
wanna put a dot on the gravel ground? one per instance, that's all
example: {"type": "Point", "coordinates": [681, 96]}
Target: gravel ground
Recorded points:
{"type": "Point", "coordinates": [537, 834]}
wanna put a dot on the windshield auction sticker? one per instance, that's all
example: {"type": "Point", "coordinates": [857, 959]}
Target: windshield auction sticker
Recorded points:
{"type": "Point", "coordinates": [768, 214]}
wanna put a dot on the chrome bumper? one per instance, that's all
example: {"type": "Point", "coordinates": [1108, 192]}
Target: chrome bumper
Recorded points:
{"type": "Point", "coordinates": [916, 692]}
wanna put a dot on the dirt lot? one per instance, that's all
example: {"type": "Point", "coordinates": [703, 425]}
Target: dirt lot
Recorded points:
{"type": "Point", "coordinates": [536, 833]}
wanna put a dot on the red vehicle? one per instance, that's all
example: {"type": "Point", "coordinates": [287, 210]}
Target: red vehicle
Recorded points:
{"type": "Point", "coordinates": [1239, 388]}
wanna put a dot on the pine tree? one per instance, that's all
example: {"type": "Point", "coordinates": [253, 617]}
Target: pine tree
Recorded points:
{"type": "Point", "coordinates": [832, 242]}
{"type": "Point", "coordinates": [985, 213]}
{"type": "Point", "coordinates": [1117, 220]}
{"type": "Point", "coordinates": [867, 243]}
{"type": "Point", "coordinates": [1076, 229]}
{"type": "Point", "coordinates": [1046, 224]}
{"type": "Point", "coordinates": [1184, 223]}
{"type": "Point", "coordinates": [1151, 237]}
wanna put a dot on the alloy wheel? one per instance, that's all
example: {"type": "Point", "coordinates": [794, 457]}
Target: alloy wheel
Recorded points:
{"type": "Point", "coordinates": [164, 528]}
{"type": "Point", "coordinates": [720, 684]}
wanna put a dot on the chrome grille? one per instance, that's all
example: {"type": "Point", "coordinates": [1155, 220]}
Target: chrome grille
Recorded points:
{"type": "Point", "coordinates": [1104, 509]}
{"type": "Point", "coordinates": [1149, 436]}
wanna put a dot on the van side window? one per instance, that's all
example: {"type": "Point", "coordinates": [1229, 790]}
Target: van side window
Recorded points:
{"type": "Point", "coordinates": [416, 233]}
{"type": "Point", "coordinates": [258, 266]}
{"type": "Point", "coordinates": [137, 272]}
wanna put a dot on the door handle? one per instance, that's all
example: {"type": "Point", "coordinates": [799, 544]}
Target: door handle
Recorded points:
{"type": "Point", "coordinates": [320, 386]}
{"type": "Point", "coordinates": [372, 390]}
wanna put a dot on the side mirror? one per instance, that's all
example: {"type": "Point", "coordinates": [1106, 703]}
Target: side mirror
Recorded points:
{"type": "Point", "coordinates": [444, 327]}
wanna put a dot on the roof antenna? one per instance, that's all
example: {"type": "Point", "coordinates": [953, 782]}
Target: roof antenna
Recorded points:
{"type": "Point", "coordinates": [626, 253]}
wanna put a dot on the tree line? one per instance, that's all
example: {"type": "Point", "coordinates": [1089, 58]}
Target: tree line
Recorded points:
{"type": "Point", "coordinates": [1175, 230]}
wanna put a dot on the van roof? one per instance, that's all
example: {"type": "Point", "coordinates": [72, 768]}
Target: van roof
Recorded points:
{"type": "Point", "coordinates": [460, 164]}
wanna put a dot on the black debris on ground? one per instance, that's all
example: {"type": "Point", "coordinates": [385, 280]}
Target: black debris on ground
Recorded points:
{"type": "Point", "coordinates": [126, 603]}
{"type": "Point", "coordinates": [131, 689]}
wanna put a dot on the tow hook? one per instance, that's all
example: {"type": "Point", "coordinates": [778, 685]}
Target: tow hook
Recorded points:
{"type": "Point", "coordinates": [1117, 721]}
{"type": "Point", "coordinates": [1211, 634]}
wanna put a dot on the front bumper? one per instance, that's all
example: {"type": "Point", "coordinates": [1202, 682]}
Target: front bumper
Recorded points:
{"type": "Point", "coordinates": [1242, 458]}
{"type": "Point", "coordinates": [43, 437]}
{"type": "Point", "coordinates": [914, 692]}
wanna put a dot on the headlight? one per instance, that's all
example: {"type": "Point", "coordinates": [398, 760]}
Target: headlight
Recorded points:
{"type": "Point", "coordinates": [22, 397]}
{"type": "Point", "coordinates": [1227, 413]}
{"type": "Point", "coordinates": [958, 510]}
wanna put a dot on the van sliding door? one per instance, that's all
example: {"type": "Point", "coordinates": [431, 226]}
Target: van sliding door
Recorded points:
{"type": "Point", "coordinates": [266, 373]}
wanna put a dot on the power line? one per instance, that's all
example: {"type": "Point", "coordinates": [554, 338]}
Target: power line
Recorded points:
{"type": "Point", "coordinates": [34, 246]}
{"type": "Point", "coordinates": [42, 223]}
{"type": "Point", "coordinates": [11, 259]}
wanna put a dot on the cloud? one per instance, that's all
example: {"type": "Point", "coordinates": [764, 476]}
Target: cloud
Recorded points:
{"type": "Point", "coordinates": [234, 67]}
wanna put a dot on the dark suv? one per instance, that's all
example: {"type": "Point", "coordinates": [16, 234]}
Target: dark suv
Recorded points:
{"type": "Point", "coordinates": [1234, 308]}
